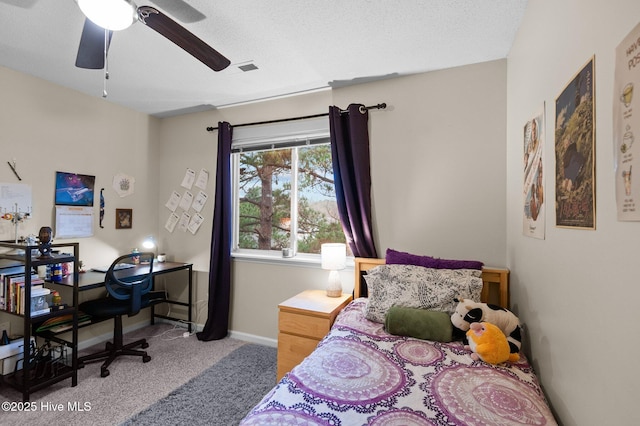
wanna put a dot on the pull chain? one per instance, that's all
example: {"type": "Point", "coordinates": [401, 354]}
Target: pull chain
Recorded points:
{"type": "Point", "coordinates": [106, 63]}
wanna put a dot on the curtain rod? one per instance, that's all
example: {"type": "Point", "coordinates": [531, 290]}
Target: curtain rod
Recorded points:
{"type": "Point", "coordinates": [362, 109]}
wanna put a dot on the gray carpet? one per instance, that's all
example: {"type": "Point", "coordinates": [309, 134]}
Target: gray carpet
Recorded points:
{"type": "Point", "coordinates": [132, 385]}
{"type": "Point", "coordinates": [222, 395]}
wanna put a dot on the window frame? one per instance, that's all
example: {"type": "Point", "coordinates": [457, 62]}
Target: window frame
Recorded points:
{"type": "Point", "coordinates": [294, 134]}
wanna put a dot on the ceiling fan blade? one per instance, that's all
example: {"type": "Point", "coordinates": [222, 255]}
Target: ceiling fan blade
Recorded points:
{"type": "Point", "coordinates": [180, 10]}
{"type": "Point", "coordinates": [91, 49]}
{"type": "Point", "coordinates": [25, 4]}
{"type": "Point", "coordinates": [191, 44]}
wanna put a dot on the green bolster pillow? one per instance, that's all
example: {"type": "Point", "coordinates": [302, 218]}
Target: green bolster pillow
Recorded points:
{"type": "Point", "coordinates": [419, 323]}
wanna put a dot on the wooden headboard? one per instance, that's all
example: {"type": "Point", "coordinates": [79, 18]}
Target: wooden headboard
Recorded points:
{"type": "Point", "coordinates": [495, 289]}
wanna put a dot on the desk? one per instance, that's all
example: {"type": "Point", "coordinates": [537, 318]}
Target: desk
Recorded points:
{"type": "Point", "coordinates": [92, 279]}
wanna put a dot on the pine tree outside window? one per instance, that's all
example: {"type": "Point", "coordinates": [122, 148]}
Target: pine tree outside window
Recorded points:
{"type": "Point", "coordinates": [284, 197]}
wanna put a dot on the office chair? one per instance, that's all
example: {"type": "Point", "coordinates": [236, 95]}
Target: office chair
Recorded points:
{"type": "Point", "coordinates": [126, 295]}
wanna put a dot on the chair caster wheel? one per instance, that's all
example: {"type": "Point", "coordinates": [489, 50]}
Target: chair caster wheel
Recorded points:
{"type": "Point", "coordinates": [146, 358]}
{"type": "Point", "coordinates": [104, 372]}
{"type": "Point", "coordinates": [145, 345]}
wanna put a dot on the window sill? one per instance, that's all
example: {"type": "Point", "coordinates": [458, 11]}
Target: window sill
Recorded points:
{"type": "Point", "coordinates": [275, 258]}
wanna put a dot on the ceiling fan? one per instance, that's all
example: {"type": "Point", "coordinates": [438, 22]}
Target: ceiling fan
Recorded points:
{"type": "Point", "coordinates": [98, 30]}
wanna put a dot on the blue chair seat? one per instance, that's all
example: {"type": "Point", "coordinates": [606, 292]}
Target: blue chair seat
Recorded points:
{"type": "Point", "coordinates": [107, 307]}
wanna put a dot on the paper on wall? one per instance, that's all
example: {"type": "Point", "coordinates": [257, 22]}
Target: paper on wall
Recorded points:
{"type": "Point", "coordinates": [171, 222]}
{"type": "Point", "coordinates": [195, 223]}
{"type": "Point", "coordinates": [184, 221]}
{"type": "Point", "coordinates": [200, 200]}
{"type": "Point", "coordinates": [124, 184]}
{"type": "Point", "coordinates": [187, 198]}
{"type": "Point", "coordinates": [173, 201]}
{"type": "Point", "coordinates": [626, 126]}
{"type": "Point", "coordinates": [12, 194]}
{"type": "Point", "coordinates": [73, 222]}
{"type": "Point", "coordinates": [203, 179]}
{"type": "Point", "coordinates": [189, 177]}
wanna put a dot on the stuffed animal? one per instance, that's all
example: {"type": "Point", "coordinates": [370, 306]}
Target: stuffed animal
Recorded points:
{"type": "Point", "coordinates": [468, 312]}
{"type": "Point", "coordinates": [488, 343]}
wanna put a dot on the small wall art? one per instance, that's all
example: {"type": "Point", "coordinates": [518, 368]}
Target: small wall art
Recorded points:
{"type": "Point", "coordinates": [124, 218]}
{"type": "Point", "coordinates": [533, 191]}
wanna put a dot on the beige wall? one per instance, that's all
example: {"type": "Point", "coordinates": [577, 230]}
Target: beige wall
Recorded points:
{"type": "Point", "coordinates": [576, 290]}
{"type": "Point", "coordinates": [438, 187]}
{"type": "Point", "coordinates": [48, 128]}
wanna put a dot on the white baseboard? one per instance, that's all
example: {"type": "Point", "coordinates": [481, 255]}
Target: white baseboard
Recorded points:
{"type": "Point", "coordinates": [251, 338]}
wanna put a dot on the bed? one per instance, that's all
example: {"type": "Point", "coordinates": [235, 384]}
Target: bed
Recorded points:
{"type": "Point", "coordinates": [359, 374]}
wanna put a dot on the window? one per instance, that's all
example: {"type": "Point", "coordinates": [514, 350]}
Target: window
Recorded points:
{"type": "Point", "coordinates": [284, 195]}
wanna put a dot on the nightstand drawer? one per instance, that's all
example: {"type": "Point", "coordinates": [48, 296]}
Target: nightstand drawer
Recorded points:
{"type": "Point", "coordinates": [303, 320]}
{"type": "Point", "coordinates": [303, 325]}
{"type": "Point", "coordinates": [292, 350]}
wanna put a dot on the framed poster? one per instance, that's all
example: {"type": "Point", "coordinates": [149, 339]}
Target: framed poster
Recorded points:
{"type": "Point", "coordinates": [533, 191]}
{"type": "Point", "coordinates": [575, 152]}
{"type": "Point", "coordinates": [124, 218]}
{"type": "Point", "coordinates": [626, 126]}
{"type": "Point", "coordinates": [73, 189]}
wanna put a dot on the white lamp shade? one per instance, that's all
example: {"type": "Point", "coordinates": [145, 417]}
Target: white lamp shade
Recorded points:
{"type": "Point", "coordinates": [334, 256]}
{"type": "Point", "coordinates": [149, 242]}
{"type": "Point", "coordinates": [110, 14]}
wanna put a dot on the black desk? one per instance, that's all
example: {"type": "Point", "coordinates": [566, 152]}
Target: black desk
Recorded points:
{"type": "Point", "coordinates": [92, 279]}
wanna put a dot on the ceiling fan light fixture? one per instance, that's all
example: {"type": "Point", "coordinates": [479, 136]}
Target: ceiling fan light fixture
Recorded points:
{"type": "Point", "coordinates": [113, 15]}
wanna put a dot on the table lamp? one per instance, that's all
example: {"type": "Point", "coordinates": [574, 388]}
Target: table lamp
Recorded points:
{"type": "Point", "coordinates": [334, 257]}
{"type": "Point", "coordinates": [149, 242]}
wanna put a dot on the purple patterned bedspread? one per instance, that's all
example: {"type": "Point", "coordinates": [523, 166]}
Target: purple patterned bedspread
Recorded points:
{"type": "Point", "coordinates": [360, 375]}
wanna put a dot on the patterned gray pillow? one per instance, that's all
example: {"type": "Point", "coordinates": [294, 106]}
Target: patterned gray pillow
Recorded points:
{"type": "Point", "coordinates": [414, 286]}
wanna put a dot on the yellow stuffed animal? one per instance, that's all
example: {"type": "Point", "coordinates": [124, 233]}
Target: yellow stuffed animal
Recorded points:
{"type": "Point", "coordinates": [488, 343]}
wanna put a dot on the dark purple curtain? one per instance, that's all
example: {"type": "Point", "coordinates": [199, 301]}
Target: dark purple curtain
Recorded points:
{"type": "Point", "coordinates": [217, 325]}
{"type": "Point", "coordinates": [352, 175]}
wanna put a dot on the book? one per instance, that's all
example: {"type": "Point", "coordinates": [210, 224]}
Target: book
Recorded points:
{"type": "Point", "coordinates": [12, 281]}
{"type": "Point", "coordinates": [63, 323]}
{"type": "Point", "coordinates": [68, 326]}
{"type": "Point", "coordinates": [14, 293]}
{"type": "Point", "coordinates": [7, 270]}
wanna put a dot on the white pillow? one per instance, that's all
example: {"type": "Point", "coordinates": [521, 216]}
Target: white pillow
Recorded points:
{"type": "Point", "coordinates": [414, 286]}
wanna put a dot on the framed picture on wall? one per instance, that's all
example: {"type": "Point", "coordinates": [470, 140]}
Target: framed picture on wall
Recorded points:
{"type": "Point", "coordinates": [73, 189]}
{"type": "Point", "coordinates": [533, 190]}
{"type": "Point", "coordinates": [124, 218]}
{"type": "Point", "coordinates": [575, 152]}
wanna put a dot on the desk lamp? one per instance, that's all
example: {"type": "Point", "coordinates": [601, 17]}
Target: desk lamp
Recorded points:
{"type": "Point", "coordinates": [334, 257]}
{"type": "Point", "coordinates": [149, 243]}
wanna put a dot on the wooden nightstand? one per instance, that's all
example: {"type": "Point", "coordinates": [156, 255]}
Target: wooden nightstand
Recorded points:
{"type": "Point", "coordinates": [303, 321]}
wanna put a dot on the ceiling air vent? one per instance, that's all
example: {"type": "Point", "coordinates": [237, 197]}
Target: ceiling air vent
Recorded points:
{"type": "Point", "coordinates": [247, 67]}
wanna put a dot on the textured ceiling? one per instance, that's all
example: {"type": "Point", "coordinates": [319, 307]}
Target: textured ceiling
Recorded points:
{"type": "Point", "coordinates": [296, 45]}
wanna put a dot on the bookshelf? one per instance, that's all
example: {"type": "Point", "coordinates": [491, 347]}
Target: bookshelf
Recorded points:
{"type": "Point", "coordinates": [30, 378]}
